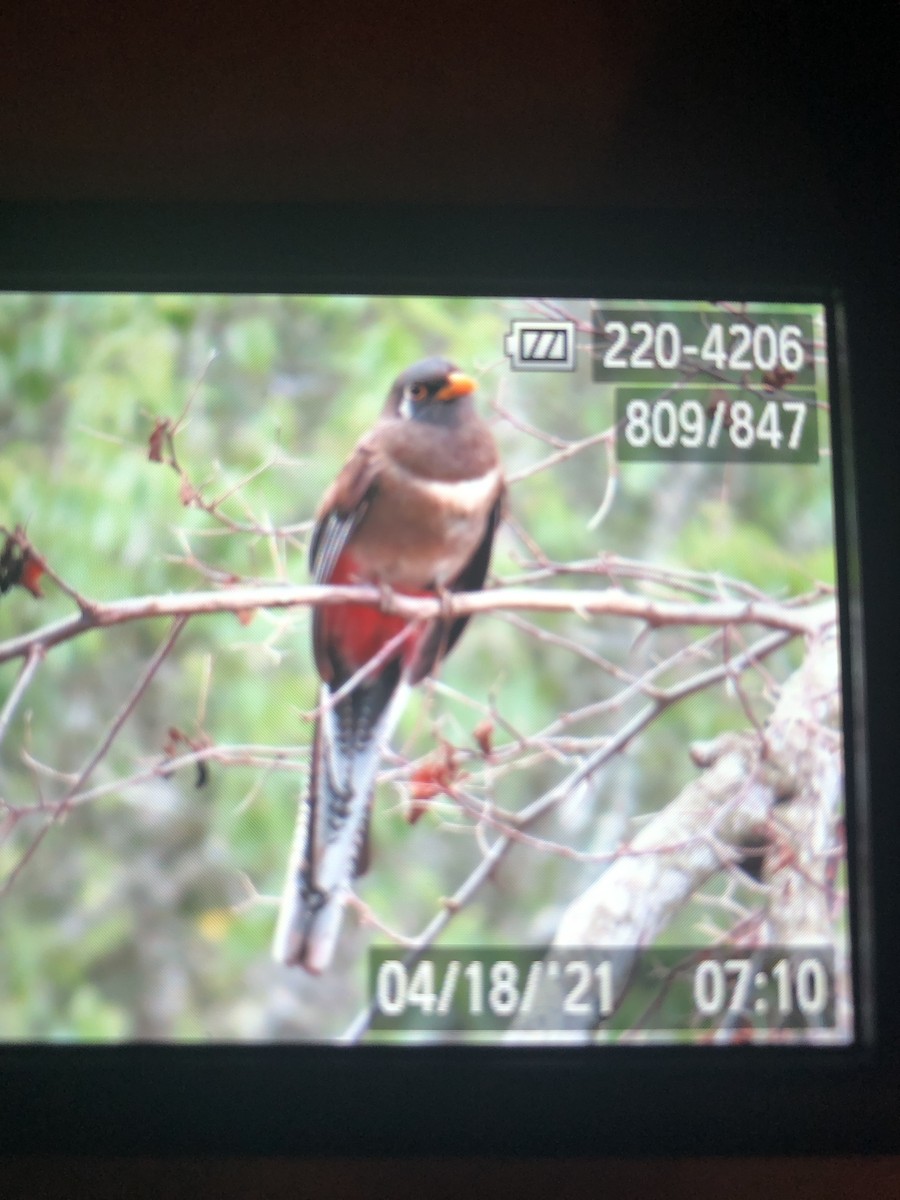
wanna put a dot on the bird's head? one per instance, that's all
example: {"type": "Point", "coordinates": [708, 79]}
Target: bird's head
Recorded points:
{"type": "Point", "coordinates": [432, 390]}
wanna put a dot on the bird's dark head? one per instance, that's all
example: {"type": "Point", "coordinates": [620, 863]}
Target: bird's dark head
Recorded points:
{"type": "Point", "coordinates": [432, 390]}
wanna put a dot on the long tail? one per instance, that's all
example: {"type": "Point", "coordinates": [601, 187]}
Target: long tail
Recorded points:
{"type": "Point", "coordinates": [329, 842]}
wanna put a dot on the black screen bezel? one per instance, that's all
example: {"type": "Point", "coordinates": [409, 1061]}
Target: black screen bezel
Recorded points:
{"type": "Point", "coordinates": [389, 1100]}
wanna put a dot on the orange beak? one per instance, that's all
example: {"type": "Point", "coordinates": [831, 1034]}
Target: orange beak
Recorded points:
{"type": "Point", "coordinates": [457, 384]}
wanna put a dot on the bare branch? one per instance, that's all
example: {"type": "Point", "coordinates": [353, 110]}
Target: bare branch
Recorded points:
{"type": "Point", "coordinates": [695, 835]}
{"type": "Point", "coordinates": [101, 751]}
{"type": "Point", "coordinates": [610, 602]}
{"type": "Point", "coordinates": [805, 731]}
{"type": "Point", "coordinates": [33, 660]}
{"type": "Point", "coordinates": [779, 789]}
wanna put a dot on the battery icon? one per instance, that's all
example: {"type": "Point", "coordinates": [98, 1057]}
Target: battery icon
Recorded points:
{"type": "Point", "coordinates": [541, 346]}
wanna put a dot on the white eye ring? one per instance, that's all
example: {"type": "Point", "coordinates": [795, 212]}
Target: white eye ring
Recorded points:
{"type": "Point", "coordinates": [413, 394]}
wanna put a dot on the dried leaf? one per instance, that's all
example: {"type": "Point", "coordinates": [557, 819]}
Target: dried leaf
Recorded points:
{"type": "Point", "coordinates": [157, 439]}
{"type": "Point", "coordinates": [20, 567]}
{"type": "Point", "coordinates": [32, 570]}
{"type": "Point", "coordinates": [780, 377]}
{"type": "Point", "coordinates": [483, 733]}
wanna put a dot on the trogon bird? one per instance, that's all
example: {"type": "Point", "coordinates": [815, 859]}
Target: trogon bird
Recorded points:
{"type": "Point", "coordinates": [414, 510]}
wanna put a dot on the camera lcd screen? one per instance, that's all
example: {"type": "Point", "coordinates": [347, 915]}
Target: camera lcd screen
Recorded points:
{"type": "Point", "coordinates": [421, 669]}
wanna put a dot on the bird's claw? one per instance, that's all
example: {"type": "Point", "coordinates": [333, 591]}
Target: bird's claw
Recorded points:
{"type": "Point", "coordinates": [385, 597]}
{"type": "Point", "coordinates": [445, 598]}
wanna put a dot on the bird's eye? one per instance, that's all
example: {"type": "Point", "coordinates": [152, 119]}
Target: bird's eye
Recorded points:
{"type": "Point", "coordinates": [413, 393]}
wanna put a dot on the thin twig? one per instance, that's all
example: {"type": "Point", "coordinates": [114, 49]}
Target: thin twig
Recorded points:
{"type": "Point", "coordinates": [33, 660]}
{"type": "Point", "coordinates": [102, 749]}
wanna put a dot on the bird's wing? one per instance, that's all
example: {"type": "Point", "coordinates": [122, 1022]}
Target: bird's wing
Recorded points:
{"type": "Point", "coordinates": [342, 509]}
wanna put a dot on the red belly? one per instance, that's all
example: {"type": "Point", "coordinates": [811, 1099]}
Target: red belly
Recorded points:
{"type": "Point", "coordinates": [355, 633]}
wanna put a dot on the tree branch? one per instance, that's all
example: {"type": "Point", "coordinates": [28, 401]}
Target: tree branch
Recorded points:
{"type": "Point", "coordinates": [594, 602]}
{"type": "Point", "coordinates": [779, 788]}
{"type": "Point", "coordinates": [33, 659]}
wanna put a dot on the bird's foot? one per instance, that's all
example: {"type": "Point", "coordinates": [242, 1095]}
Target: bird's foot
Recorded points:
{"type": "Point", "coordinates": [445, 598]}
{"type": "Point", "coordinates": [385, 597]}
{"type": "Point", "coordinates": [310, 893]}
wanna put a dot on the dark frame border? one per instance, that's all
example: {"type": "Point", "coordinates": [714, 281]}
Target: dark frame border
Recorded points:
{"type": "Point", "coordinates": [378, 1100]}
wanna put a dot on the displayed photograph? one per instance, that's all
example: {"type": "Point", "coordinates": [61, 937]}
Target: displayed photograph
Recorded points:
{"type": "Point", "coordinates": [420, 669]}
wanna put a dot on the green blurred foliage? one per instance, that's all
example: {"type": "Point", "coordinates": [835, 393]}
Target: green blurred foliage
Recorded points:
{"type": "Point", "coordinates": [134, 919]}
